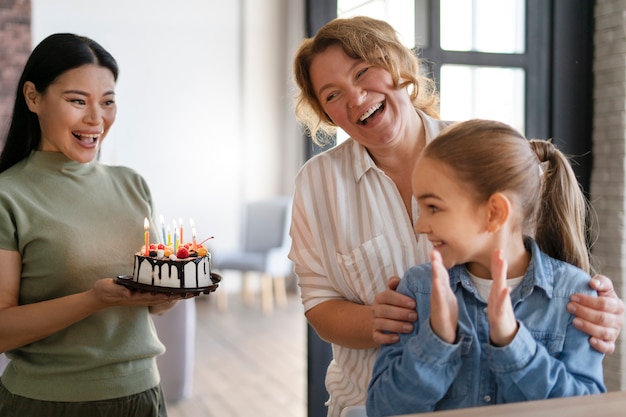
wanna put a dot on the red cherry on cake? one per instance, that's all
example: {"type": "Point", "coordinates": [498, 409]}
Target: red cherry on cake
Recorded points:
{"type": "Point", "coordinates": [153, 246]}
{"type": "Point", "coordinates": [160, 246]}
{"type": "Point", "coordinates": [182, 253]}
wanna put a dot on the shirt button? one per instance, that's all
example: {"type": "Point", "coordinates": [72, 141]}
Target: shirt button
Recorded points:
{"type": "Point", "coordinates": [485, 310]}
{"type": "Point", "coordinates": [487, 398]}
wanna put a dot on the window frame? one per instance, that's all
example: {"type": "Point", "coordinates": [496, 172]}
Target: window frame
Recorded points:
{"type": "Point", "coordinates": [535, 61]}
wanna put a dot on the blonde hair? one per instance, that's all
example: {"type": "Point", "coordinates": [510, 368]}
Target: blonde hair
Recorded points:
{"type": "Point", "coordinates": [493, 157]}
{"type": "Point", "coordinates": [373, 41]}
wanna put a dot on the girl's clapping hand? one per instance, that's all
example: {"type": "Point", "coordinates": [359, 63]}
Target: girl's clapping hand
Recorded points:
{"type": "Point", "coordinates": [502, 323]}
{"type": "Point", "coordinates": [444, 310]}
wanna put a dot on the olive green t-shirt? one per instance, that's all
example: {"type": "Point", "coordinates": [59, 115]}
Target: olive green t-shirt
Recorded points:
{"type": "Point", "coordinates": [73, 224]}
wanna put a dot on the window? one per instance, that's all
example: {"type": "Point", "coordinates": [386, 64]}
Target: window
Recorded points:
{"type": "Point", "coordinates": [495, 26]}
{"type": "Point", "coordinates": [481, 91]}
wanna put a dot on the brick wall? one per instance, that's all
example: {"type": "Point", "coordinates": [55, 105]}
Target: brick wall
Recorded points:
{"type": "Point", "coordinates": [608, 177]}
{"type": "Point", "coordinates": [15, 46]}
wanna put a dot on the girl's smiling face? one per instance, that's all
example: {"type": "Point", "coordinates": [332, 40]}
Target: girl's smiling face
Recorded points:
{"type": "Point", "coordinates": [361, 98]}
{"type": "Point", "coordinates": [449, 215]}
{"type": "Point", "coordinates": [75, 112]}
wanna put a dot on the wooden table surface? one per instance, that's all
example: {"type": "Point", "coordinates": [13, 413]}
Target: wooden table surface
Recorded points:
{"type": "Point", "coordinates": [612, 404]}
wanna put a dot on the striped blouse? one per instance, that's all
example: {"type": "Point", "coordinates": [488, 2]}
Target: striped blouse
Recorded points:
{"type": "Point", "coordinates": [350, 232]}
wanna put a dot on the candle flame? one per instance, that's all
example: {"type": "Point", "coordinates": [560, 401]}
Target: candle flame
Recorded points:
{"type": "Point", "coordinates": [146, 223]}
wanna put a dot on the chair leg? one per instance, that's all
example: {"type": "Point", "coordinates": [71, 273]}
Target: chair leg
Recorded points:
{"type": "Point", "coordinates": [245, 288]}
{"type": "Point", "coordinates": [267, 299]}
{"type": "Point", "coordinates": [280, 292]}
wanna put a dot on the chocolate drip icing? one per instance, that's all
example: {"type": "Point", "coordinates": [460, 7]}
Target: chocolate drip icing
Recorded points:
{"type": "Point", "coordinates": [156, 264]}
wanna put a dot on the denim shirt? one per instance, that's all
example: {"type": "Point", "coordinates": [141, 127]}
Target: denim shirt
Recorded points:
{"type": "Point", "coordinates": [547, 358]}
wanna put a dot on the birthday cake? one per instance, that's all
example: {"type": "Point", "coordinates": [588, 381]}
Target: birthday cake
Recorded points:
{"type": "Point", "coordinates": [162, 269]}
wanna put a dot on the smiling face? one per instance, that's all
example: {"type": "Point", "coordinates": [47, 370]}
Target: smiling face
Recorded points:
{"type": "Point", "coordinates": [450, 217]}
{"type": "Point", "coordinates": [361, 99]}
{"type": "Point", "coordinates": [75, 112]}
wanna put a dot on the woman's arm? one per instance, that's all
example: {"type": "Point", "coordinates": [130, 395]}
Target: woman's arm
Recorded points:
{"type": "Point", "coordinates": [600, 317]}
{"type": "Point", "coordinates": [343, 323]}
{"type": "Point", "coordinates": [23, 324]}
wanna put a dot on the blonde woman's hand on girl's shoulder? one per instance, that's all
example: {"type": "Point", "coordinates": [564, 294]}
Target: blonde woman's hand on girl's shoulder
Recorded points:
{"type": "Point", "coordinates": [393, 313]}
{"type": "Point", "coordinates": [601, 317]}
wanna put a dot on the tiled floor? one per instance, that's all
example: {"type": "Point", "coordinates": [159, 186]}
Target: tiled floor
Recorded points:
{"type": "Point", "coordinates": [247, 364]}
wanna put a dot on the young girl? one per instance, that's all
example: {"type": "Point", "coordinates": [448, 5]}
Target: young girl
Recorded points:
{"type": "Point", "coordinates": [507, 220]}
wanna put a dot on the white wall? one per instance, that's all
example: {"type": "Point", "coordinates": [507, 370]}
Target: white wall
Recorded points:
{"type": "Point", "coordinates": [204, 107]}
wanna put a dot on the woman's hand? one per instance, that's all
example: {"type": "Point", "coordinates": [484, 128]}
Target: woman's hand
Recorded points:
{"type": "Point", "coordinates": [109, 294]}
{"type": "Point", "coordinates": [444, 310]}
{"type": "Point", "coordinates": [393, 313]}
{"type": "Point", "coordinates": [600, 317]}
{"type": "Point", "coordinates": [502, 323]}
{"type": "Point", "coordinates": [23, 324]}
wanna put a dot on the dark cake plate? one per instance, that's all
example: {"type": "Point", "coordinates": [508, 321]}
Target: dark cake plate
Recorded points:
{"type": "Point", "coordinates": [128, 282]}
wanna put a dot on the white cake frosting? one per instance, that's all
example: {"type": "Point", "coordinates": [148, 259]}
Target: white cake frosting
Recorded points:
{"type": "Point", "coordinates": [188, 273]}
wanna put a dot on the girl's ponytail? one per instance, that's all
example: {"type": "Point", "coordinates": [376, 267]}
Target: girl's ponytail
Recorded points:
{"type": "Point", "coordinates": [562, 217]}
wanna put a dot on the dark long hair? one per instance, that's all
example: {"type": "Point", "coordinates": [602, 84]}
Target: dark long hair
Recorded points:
{"type": "Point", "coordinates": [54, 56]}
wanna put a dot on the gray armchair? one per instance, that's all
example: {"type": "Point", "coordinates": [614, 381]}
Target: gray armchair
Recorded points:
{"type": "Point", "coordinates": [263, 250]}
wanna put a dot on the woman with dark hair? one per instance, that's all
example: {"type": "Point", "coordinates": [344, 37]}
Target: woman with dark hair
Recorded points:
{"type": "Point", "coordinates": [57, 54]}
{"type": "Point", "coordinates": [78, 343]}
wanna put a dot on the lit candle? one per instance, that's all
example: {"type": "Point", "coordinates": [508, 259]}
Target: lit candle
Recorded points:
{"type": "Point", "coordinates": [180, 237]}
{"type": "Point", "coordinates": [163, 228]}
{"type": "Point", "coordinates": [169, 237]}
{"type": "Point", "coordinates": [175, 237]}
{"type": "Point", "coordinates": [146, 235]}
{"type": "Point", "coordinates": [193, 232]}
